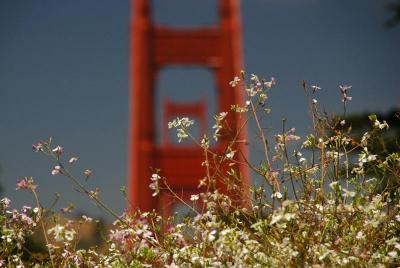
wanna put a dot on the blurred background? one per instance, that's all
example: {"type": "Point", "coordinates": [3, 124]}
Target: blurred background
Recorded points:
{"type": "Point", "coordinates": [64, 73]}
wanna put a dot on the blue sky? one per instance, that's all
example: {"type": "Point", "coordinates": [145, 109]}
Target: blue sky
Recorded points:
{"type": "Point", "coordinates": [64, 73]}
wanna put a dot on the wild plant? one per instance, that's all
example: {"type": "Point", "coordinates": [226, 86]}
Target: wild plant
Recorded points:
{"type": "Point", "coordinates": [329, 199]}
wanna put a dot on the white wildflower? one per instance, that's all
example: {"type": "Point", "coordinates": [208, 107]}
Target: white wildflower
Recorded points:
{"type": "Point", "coordinates": [230, 154]}
{"type": "Point", "coordinates": [181, 125]}
{"type": "Point", "coordinates": [205, 143]}
{"type": "Point", "coordinates": [270, 83]}
{"type": "Point", "coordinates": [393, 254]}
{"type": "Point", "coordinates": [58, 231]}
{"type": "Point", "coordinates": [334, 185]}
{"type": "Point", "coordinates": [277, 195]}
{"type": "Point", "coordinates": [194, 197]}
{"type": "Point", "coordinates": [87, 173]}
{"type": "Point", "coordinates": [275, 219]}
{"type": "Point", "coordinates": [360, 235]}
{"type": "Point", "coordinates": [380, 125]}
{"type": "Point", "coordinates": [58, 150]}
{"type": "Point", "coordinates": [302, 160]}
{"type": "Point", "coordinates": [69, 235]}
{"type": "Point", "coordinates": [73, 159]}
{"type": "Point", "coordinates": [235, 81]}
{"type": "Point", "coordinates": [56, 170]}
{"type": "Point", "coordinates": [348, 193]}
{"type": "Point", "coordinates": [86, 218]}
{"type": "Point", "coordinates": [154, 185]}
{"type": "Point", "coordinates": [218, 124]}
{"type": "Point", "coordinates": [211, 236]}
{"type": "Point", "coordinates": [315, 88]}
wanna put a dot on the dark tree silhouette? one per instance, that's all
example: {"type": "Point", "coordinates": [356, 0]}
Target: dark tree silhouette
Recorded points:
{"type": "Point", "coordinates": [395, 19]}
{"type": "Point", "coordinates": [386, 143]}
{"type": "Point", "coordinates": [1, 187]}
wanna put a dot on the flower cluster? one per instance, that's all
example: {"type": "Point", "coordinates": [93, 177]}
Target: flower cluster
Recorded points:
{"type": "Point", "coordinates": [344, 91]}
{"type": "Point", "coordinates": [181, 125]}
{"type": "Point", "coordinates": [155, 184]}
{"type": "Point", "coordinates": [15, 227]}
{"type": "Point", "coordinates": [259, 88]}
{"type": "Point", "coordinates": [26, 183]}
{"type": "Point", "coordinates": [219, 119]}
{"type": "Point", "coordinates": [327, 200]}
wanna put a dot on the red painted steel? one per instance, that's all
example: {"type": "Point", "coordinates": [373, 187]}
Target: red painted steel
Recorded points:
{"type": "Point", "coordinates": [152, 48]}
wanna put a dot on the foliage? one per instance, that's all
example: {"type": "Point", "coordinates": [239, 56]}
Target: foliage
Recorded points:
{"type": "Point", "coordinates": [320, 206]}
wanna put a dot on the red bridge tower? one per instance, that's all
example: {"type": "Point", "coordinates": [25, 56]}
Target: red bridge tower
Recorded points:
{"type": "Point", "coordinates": [154, 47]}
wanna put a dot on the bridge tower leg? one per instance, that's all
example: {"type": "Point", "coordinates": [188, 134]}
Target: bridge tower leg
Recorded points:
{"type": "Point", "coordinates": [152, 48]}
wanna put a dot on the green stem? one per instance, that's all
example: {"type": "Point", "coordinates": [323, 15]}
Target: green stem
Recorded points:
{"type": "Point", "coordinates": [42, 225]}
{"type": "Point", "coordinates": [65, 172]}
